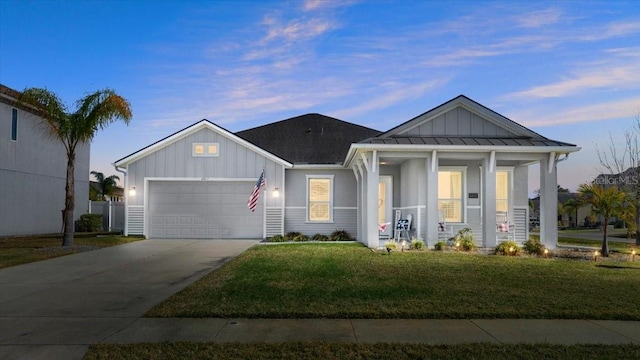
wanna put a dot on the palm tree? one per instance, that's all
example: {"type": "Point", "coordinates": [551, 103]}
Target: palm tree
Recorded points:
{"type": "Point", "coordinates": [569, 207]}
{"type": "Point", "coordinates": [94, 111]}
{"type": "Point", "coordinates": [106, 184]}
{"type": "Point", "coordinates": [607, 202]}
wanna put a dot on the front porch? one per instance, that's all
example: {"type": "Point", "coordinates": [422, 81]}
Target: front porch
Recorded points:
{"type": "Point", "coordinates": [463, 189]}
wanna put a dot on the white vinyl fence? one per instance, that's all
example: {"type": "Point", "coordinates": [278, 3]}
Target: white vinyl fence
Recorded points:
{"type": "Point", "coordinates": [112, 214]}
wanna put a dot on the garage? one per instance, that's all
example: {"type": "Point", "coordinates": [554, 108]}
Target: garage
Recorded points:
{"type": "Point", "coordinates": [203, 210]}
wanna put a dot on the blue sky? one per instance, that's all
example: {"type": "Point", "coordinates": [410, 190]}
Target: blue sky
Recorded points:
{"type": "Point", "coordinates": [568, 70]}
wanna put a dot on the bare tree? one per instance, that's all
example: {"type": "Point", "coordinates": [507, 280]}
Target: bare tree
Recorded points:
{"type": "Point", "coordinates": [622, 161]}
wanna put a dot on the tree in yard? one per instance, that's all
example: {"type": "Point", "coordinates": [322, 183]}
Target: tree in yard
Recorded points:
{"type": "Point", "coordinates": [569, 207]}
{"type": "Point", "coordinates": [106, 185]}
{"type": "Point", "coordinates": [608, 202]}
{"type": "Point", "coordinates": [93, 112]}
{"type": "Point", "coordinates": [622, 160]}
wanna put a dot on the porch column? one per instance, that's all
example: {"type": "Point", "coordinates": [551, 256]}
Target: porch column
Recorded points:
{"type": "Point", "coordinates": [431, 168]}
{"type": "Point", "coordinates": [549, 202]}
{"type": "Point", "coordinates": [372, 196]}
{"type": "Point", "coordinates": [489, 201]}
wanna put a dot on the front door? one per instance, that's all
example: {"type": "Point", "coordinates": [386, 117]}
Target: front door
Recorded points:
{"type": "Point", "coordinates": [385, 203]}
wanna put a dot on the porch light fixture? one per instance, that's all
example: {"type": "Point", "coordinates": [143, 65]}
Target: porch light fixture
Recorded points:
{"type": "Point", "coordinates": [132, 191]}
{"type": "Point", "coordinates": [276, 192]}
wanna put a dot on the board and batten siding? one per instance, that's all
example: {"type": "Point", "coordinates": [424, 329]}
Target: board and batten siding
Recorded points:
{"type": "Point", "coordinates": [175, 161]}
{"type": "Point", "coordinates": [345, 211]}
{"type": "Point", "coordinates": [458, 122]}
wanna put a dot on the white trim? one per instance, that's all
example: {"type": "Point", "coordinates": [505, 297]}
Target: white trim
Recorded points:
{"type": "Point", "coordinates": [345, 208]}
{"type": "Point", "coordinates": [295, 207]}
{"type": "Point", "coordinates": [363, 156]}
{"type": "Point", "coordinates": [374, 160]}
{"type": "Point", "coordinates": [197, 179]}
{"type": "Point", "coordinates": [434, 161]}
{"type": "Point", "coordinates": [203, 124]}
{"type": "Point", "coordinates": [331, 193]}
{"type": "Point", "coordinates": [552, 161]}
{"type": "Point", "coordinates": [409, 207]}
{"type": "Point", "coordinates": [492, 162]}
{"type": "Point", "coordinates": [318, 166]}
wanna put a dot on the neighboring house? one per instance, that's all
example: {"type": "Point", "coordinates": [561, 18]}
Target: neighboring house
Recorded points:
{"type": "Point", "coordinates": [33, 168]}
{"type": "Point", "coordinates": [117, 196]}
{"type": "Point", "coordinates": [459, 161]}
{"type": "Point", "coordinates": [564, 219]}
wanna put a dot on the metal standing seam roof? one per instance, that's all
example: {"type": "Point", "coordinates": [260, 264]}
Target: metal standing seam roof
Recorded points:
{"type": "Point", "coordinates": [466, 141]}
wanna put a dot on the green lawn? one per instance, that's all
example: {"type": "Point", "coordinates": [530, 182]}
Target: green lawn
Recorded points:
{"type": "Point", "coordinates": [350, 281]}
{"type": "Point", "coordinates": [296, 350]}
{"type": "Point", "coordinates": [21, 250]}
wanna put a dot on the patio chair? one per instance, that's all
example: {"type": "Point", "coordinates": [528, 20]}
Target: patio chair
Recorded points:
{"type": "Point", "coordinates": [445, 232]}
{"type": "Point", "coordinates": [403, 227]}
{"type": "Point", "coordinates": [504, 229]}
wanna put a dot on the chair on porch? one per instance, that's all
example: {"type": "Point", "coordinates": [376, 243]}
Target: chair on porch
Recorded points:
{"type": "Point", "coordinates": [403, 227]}
{"type": "Point", "coordinates": [504, 229]}
{"type": "Point", "coordinates": [445, 232]}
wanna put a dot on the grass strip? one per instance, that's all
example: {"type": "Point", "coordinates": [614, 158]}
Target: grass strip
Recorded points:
{"type": "Point", "coordinates": [312, 350]}
{"type": "Point", "coordinates": [350, 281]}
{"type": "Point", "coordinates": [21, 250]}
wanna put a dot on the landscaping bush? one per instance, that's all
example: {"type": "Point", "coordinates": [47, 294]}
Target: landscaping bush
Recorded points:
{"type": "Point", "coordinates": [340, 235]}
{"type": "Point", "coordinates": [277, 238]}
{"type": "Point", "coordinates": [509, 248]}
{"type": "Point", "coordinates": [89, 223]}
{"type": "Point", "coordinates": [533, 246]}
{"type": "Point", "coordinates": [320, 237]}
{"type": "Point", "coordinates": [440, 246]}
{"type": "Point", "coordinates": [464, 240]}
{"type": "Point", "coordinates": [416, 244]}
{"type": "Point", "coordinates": [300, 238]}
{"type": "Point", "coordinates": [290, 236]}
{"type": "Point", "coordinates": [390, 245]}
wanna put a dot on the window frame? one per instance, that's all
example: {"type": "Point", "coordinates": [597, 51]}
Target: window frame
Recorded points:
{"type": "Point", "coordinates": [308, 201]}
{"type": "Point", "coordinates": [205, 146]}
{"type": "Point", "coordinates": [463, 191]}
{"type": "Point", "coordinates": [14, 124]}
{"type": "Point", "coordinates": [510, 191]}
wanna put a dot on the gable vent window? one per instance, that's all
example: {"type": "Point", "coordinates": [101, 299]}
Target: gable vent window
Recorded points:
{"type": "Point", "coordinates": [205, 149]}
{"type": "Point", "coordinates": [14, 124]}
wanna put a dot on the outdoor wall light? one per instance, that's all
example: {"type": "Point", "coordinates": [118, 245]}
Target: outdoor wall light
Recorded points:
{"type": "Point", "coordinates": [132, 191]}
{"type": "Point", "coordinates": [276, 192]}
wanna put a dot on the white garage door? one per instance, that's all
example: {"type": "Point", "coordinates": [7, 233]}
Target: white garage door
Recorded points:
{"type": "Point", "coordinates": [203, 210]}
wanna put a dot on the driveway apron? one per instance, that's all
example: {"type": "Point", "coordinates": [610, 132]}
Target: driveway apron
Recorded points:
{"type": "Point", "coordinates": [55, 309]}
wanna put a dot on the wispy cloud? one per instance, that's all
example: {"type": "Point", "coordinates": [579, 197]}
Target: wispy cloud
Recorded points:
{"type": "Point", "coordinates": [611, 110]}
{"type": "Point", "coordinates": [615, 29]}
{"type": "Point", "coordinates": [296, 30]}
{"type": "Point", "coordinates": [536, 19]}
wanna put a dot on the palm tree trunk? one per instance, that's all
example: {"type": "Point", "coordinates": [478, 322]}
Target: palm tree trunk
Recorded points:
{"type": "Point", "coordinates": [605, 242]}
{"type": "Point", "coordinates": [69, 202]}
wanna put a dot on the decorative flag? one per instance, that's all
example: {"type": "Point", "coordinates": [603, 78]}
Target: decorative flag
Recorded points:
{"type": "Point", "coordinates": [253, 199]}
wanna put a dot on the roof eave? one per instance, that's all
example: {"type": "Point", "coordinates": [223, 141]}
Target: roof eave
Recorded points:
{"type": "Point", "coordinates": [353, 150]}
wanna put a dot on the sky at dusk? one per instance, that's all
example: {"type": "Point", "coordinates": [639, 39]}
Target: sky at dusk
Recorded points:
{"type": "Point", "coordinates": [569, 70]}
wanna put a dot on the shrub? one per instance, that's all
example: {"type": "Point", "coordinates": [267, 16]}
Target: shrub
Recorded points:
{"type": "Point", "coordinates": [508, 248]}
{"type": "Point", "coordinates": [440, 246]}
{"type": "Point", "coordinates": [300, 238]}
{"type": "Point", "coordinates": [533, 246]}
{"type": "Point", "coordinates": [320, 237]}
{"type": "Point", "coordinates": [464, 240]}
{"type": "Point", "coordinates": [340, 235]}
{"type": "Point", "coordinates": [277, 238]}
{"type": "Point", "coordinates": [391, 245]}
{"type": "Point", "coordinates": [416, 244]}
{"type": "Point", "coordinates": [291, 235]}
{"type": "Point", "coordinates": [89, 223]}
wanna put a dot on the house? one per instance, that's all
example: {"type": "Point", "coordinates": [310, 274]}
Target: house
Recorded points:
{"type": "Point", "coordinates": [94, 191]}
{"type": "Point", "coordinates": [575, 218]}
{"type": "Point", "coordinates": [459, 163]}
{"type": "Point", "coordinates": [33, 167]}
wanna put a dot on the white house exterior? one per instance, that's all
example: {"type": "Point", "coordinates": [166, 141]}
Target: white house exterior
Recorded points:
{"type": "Point", "coordinates": [33, 167]}
{"type": "Point", "coordinates": [459, 160]}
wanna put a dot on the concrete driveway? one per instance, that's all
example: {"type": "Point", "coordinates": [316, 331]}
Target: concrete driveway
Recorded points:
{"type": "Point", "coordinates": [55, 309]}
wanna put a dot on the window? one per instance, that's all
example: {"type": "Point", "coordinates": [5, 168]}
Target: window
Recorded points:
{"type": "Point", "coordinates": [205, 149]}
{"type": "Point", "coordinates": [14, 124]}
{"type": "Point", "coordinates": [502, 191]}
{"type": "Point", "coordinates": [320, 198]}
{"type": "Point", "coordinates": [450, 190]}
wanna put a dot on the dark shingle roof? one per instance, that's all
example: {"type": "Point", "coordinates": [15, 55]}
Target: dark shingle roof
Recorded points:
{"type": "Point", "coordinates": [308, 139]}
{"type": "Point", "coordinates": [466, 140]}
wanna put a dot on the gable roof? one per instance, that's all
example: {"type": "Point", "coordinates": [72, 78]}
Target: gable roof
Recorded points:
{"type": "Point", "coordinates": [308, 139]}
{"type": "Point", "coordinates": [506, 131]}
{"type": "Point", "coordinates": [202, 124]}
